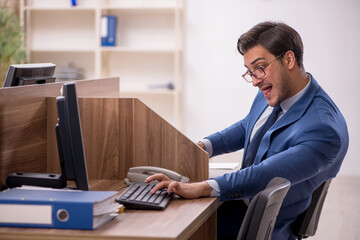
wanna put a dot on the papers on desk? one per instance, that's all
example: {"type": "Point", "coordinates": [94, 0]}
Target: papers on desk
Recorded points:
{"type": "Point", "coordinates": [20, 207]}
{"type": "Point", "coordinates": [224, 165]}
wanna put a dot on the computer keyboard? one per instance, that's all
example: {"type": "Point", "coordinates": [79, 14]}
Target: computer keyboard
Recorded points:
{"type": "Point", "coordinates": [138, 196]}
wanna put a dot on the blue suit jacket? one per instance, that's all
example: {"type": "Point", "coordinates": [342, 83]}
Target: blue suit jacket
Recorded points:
{"type": "Point", "coordinates": [306, 146]}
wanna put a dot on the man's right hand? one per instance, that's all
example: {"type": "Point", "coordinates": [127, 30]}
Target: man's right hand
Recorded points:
{"type": "Point", "coordinates": [186, 190]}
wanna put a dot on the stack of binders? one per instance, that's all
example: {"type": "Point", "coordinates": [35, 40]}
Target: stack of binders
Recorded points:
{"type": "Point", "coordinates": [67, 209]}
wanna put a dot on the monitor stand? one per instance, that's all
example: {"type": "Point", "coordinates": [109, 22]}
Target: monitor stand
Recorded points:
{"type": "Point", "coordinates": [36, 179]}
{"type": "Point", "coordinates": [41, 179]}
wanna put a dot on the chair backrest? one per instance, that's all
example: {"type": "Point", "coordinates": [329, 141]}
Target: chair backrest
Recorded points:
{"type": "Point", "coordinates": [307, 222]}
{"type": "Point", "coordinates": [259, 220]}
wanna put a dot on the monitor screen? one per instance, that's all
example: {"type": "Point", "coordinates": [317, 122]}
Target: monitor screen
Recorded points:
{"type": "Point", "coordinates": [70, 142]}
{"type": "Point", "coordinates": [26, 74]}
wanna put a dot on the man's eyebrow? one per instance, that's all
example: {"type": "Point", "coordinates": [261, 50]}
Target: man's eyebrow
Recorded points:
{"type": "Point", "coordinates": [260, 58]}
{"type": "Point", "coordinates": [257, 59]}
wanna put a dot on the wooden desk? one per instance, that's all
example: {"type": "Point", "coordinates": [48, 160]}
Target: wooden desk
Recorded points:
{"type": "Point", "coordinates": [118, 134]}
{"type": "Point", "coordinates": [182, 219]}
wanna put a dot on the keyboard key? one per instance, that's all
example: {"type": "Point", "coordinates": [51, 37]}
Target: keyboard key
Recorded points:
{"type": "Point", "coordinates": [160, 197]}
{"type": "Point", "coordinates": [154, 196]}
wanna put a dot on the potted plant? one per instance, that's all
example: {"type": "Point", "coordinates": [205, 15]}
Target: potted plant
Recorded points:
{"type": "Point", "coordinates": [11, 42]}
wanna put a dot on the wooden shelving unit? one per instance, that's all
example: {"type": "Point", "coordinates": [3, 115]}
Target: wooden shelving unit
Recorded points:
{"type": "Point", "coordinates": [148, 52]}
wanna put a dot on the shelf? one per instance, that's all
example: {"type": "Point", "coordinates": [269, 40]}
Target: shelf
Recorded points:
{"type": "Point", "coordinates": [62, 31]}
{"type": "Point", "coordinates": [147, 52]}
{"type": "Point", "coordinates": [141, 9]}
{"type": "Point", "coordinates": [149, 30]}
{"type": "Point", "coordinates": [140, 69]}
{"type": "Point", "coordinates": [81, 60]}
{"type": "Point", "coordinates": [65, 50]}
{"type": "Point", "coordinates": [139, 50]}
{"type": "Point", "coordinates": [144, 5]}
{"type": "Point", "coordinates": [62, 9]}
{"type": "Point", "coordinates": [125, 5]}
{"type": "Point", "coordinates": [60, 4]}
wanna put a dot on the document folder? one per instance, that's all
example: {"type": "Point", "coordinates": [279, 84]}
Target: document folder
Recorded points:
{"type": "Point", "coordinates": [108, 30]}
{"type": "Point", "coordinates": [68, 209]}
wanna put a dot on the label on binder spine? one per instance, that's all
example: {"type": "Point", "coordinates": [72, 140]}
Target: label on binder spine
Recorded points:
{"type": "Point", "coordinates": [32, 214]}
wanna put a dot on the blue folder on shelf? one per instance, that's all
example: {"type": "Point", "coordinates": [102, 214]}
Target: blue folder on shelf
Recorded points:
{"type": "Point", "coordinates": [108, 30]}
{"type": "Point", "coordinates": [69, 209]}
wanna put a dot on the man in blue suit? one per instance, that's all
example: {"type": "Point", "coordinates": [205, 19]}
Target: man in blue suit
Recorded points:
{"type": "Point", "coordinates": [306, 144]}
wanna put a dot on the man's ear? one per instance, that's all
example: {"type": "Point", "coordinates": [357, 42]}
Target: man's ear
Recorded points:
{"type": "Point", "coordinates": [289, 59]}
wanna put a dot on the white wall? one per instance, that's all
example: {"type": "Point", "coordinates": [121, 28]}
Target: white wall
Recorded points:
{"type": "Point", "coordinates": [216, 95]}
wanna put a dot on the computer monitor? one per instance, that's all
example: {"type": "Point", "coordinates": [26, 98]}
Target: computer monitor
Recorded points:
{"type": "Point", "coordinates": [70, 137]}
{"type": "Point", "coordinates": [26, 74]}
{"type": "Point", "coordinates": [70, 148]}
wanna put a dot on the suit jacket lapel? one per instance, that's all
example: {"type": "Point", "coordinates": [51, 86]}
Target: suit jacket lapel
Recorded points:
{"type": "Point", "coordinates": [292, 115]}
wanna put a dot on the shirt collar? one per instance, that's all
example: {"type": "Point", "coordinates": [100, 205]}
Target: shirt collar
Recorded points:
{"type": "Point", "coordinates": [287, 103]}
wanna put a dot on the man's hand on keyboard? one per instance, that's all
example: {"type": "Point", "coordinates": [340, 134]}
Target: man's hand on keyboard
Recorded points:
{"type": "Point", "coordinates": [186, 190]}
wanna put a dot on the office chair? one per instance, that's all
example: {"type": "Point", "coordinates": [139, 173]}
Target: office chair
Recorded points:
{"type": "Point", "coordinates": [307, 222]}
{"type": "Point", "coordinates": [259, 220]}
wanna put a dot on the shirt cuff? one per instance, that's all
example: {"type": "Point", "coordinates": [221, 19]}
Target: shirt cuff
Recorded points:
{"type": "Point", "coordinates": [208, 146]}
{"type": "Point", "coordinates": [215, 186]}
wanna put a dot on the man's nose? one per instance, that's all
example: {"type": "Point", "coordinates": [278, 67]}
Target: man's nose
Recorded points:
{"type": "Point", "coordinates": [256, 81]}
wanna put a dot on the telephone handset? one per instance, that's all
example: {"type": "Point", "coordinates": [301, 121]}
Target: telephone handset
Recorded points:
{"type": "Point", "coordinates": [139, 174]}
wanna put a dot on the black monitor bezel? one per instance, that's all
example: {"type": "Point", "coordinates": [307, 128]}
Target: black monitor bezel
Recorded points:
{"type": "Point", "coordinates": [28, 74]}
{"type": "Point", "coordinates": [71, 137]}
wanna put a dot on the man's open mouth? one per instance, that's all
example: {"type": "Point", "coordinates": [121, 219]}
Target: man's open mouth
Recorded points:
{"type": "Point", "coordinates": [266, 90]}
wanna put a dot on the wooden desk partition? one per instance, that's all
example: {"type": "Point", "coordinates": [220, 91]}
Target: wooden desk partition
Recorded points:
{"type": "Point", "coordinates": [23, 122]}
{"type": "Point", "coordinates": [118, 133]}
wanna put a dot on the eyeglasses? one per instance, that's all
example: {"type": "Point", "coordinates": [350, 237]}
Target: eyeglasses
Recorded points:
{"type": "Point", "coordinates": [259, 72]}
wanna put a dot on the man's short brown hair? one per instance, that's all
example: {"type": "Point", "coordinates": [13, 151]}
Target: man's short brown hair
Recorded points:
{"type": "Point", "coordinates": [277, 38]}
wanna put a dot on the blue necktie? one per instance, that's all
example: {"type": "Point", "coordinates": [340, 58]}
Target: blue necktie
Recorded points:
{"type": "Point", "coordinates": [255, 142]}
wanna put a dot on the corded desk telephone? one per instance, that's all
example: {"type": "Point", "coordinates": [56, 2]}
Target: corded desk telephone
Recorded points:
{"type": "Point", "coordinates": [139, 174]}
